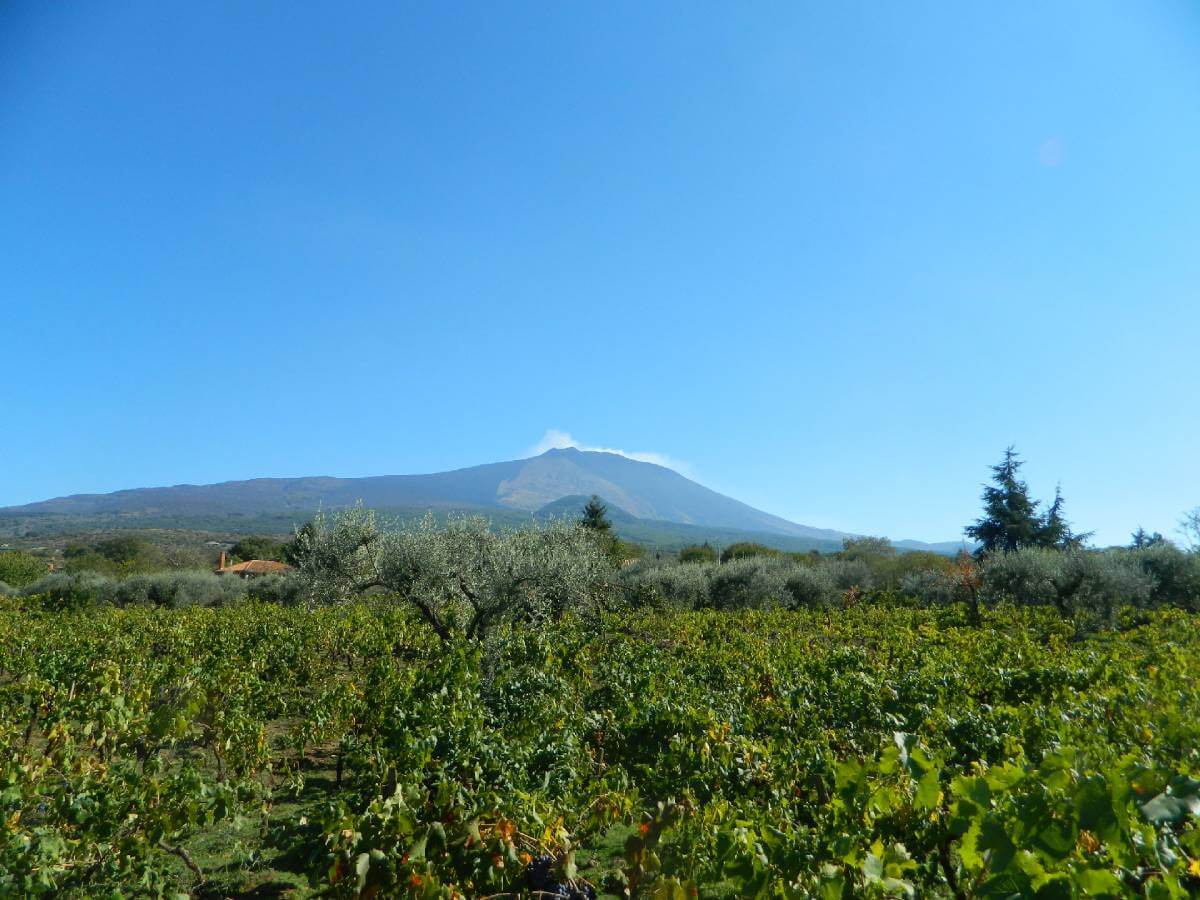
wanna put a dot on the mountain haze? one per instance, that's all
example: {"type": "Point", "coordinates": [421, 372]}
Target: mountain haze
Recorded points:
{"type": "Point", "coordinates": [643, 490]}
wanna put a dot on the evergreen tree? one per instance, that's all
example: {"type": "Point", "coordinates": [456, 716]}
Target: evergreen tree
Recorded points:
{"type": "Point", "coordinates": [595, 516]}
{"type": "Point", "coordinates": [1142, 538]}
{"type": "Point", "coordinates": [1010, 519]}
{"type": "Point", "coordinates": [595, 521]}
{"type": "Point", "coordinates": [1056, 530]}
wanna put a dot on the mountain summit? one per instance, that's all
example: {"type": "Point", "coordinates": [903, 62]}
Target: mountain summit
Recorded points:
{"type": "Point", "coordinates": [643, 490]}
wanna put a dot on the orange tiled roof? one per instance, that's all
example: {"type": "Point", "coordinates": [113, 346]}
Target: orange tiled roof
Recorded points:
{"type": "Point", "coordinates": [256, 567]}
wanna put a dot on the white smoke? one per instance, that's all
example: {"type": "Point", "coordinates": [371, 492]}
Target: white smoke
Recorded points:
{"type": "Point", "coordinates": [556, 439]}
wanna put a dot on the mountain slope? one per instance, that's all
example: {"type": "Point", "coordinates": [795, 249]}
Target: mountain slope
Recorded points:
{"type": "Point", "coordinates": [643, 490]}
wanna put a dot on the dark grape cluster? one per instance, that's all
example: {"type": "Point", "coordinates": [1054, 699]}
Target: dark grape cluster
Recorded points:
{"type": "Point", "coordinates": [540, 879]}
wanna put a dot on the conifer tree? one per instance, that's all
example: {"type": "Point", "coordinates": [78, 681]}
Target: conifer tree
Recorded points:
{"type": "Point", "coordinates": [1010, 519]}
{"type": "Point", "coordinates": [1056, 530]}
{"type": "Point", "coordinates": [1142, 539]}
{"type": "Point", "coordinates": [595, 516]}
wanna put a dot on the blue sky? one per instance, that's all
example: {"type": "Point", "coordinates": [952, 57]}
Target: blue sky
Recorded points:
{"type": "Point", "coordinates": [829, 258]}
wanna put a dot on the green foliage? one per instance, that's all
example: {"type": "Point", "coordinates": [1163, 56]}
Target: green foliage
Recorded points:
{"type": "Point", "coordinates": [82, 558]}
{"type": "Point", "coordinates": [867, 548]}
{"type": "Point", "coordinates": [595, 522]}
{"type": "Point", "coordinates": [124, 549]}
{"type": "Point", "coordinates": [63, 590]}
{"type": "Point", "coordinates": [810, 587]}
{"type": "Point", "coordinates": [622, 552]}
{"type": "Point", "coordinates": [1088, 586]}
{"type": "Point", "coordinates": [258, 547]}
{"type": "Point", "coordinates": [464, 578]}
{"type": "Point", "coordinates": [1174, 575]}
{"type": "Point", "coordinates": [286, 589]}
{"type": "Point", "coordinates": [18, 568]}
{"type": "Point", "coordinates": [873, 751]}
{"type": "Point", "coordinates": [698, 553]}
{"type": "Point", "coordinates": [746, 584]}
{"type": "Point", "coordinates": [1141, 539]}
{"type": "Point", "coordinates": [595, 516]}
{"type": "Point", "coordinates": [1078, 583]}
{"type": "Point", "coordinates": [932, 586]}
{"type": "Point", "coordinates": [122, 554]}
{"type": "Point", "coordinates": [1055, 531]}
{"type": "Point", "coordinates": [78, 590]}
{"type": "Point", "coordinates": [1010, 518]}
{"type": "Point", "coordinates": [754, 582]}
{"type": "Point", "coordinates": [746, 549]}
{"type": "Point", "coordinates": [684, 586]}
{"type": "Point", "coordinates": [890, 572]}
{"type": "Point", "coordinates": [178, 589]}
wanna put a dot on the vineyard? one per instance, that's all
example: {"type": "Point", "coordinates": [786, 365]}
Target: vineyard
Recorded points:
{"type": "Point", "coordinates": [347, 750]}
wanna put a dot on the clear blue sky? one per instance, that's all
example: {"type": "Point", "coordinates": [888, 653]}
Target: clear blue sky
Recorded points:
{"type": "Point", "coordinates": [832, 257]}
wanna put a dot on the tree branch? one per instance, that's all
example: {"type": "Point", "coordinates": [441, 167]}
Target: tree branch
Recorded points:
{"type": "Point", "coordinates": [431, 617]}
{"type": "Point", "coordinates": [948, 869]}
{"type": "Point", "coordinates": [185, 856]}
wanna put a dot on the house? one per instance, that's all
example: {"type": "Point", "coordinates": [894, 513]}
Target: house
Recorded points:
{"type": "Point", "coordinates": [251, 568]}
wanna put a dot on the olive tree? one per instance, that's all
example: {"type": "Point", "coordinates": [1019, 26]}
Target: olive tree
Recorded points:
{"type": "Point", "coordinates": [462, 578]}
{"type": "Point", "coordinates": [1076, 582]}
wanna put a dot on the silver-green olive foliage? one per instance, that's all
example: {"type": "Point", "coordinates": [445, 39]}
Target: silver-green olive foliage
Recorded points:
{"type": "Point", "coordinates": [463, 577]}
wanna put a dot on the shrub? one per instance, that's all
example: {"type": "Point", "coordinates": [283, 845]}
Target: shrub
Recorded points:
{"type": "Point", "coordinates": [867, 548]}
{"type": "Point", "coordinates": [61, 590]}
{"type": "Point", "coordinates": [747, 584]}
{"type": "Point", "coordinates": [932, 587]}
{"type": "Point", "coordinates": [124, 549]}
{"type": "Point", "coordinates": [178, 589]}
{"type": "Point", "coordinates": [892, 572]}
{"type": "Point", "coordinates": [1025, 577]}
{"type": "Point", "coordinates": [287, 590]}
{"type": "Point", "coordinates": [1176, 574]}
{"type": "Point", "coordinates": [1076, 582]}
{"type": "Point", "coordinates": [850, 573]}
{"type": "Point", "coordinates": [257, 547]}
{"type": "Point", "coordinates": [1088, 586]}
{"type": "Point", "coordinates": [122, 554]}
{"type": "Point", "coordinates": [64, 590]}
{"type": "Point", "coordinates": [755, 582]}
{"type": "Point", "coordinates": [19, 568]}
{"type": "Point", "coordinates": [745, 549]}
{"type": "Point", "coordinates": [684, 586]}
{"type": "Point", "coordinates": [80, 560]}
{"type": "Point", "coordinates": [1091, 586]}
{"type": "Point", "coordinates": [809, 586]}
{"type": "Point", "coordinates": [698, 553]}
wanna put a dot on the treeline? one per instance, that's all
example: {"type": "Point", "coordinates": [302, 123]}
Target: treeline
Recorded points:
{"type": "Point", "coordinates": [127, 570]}
{"type": "Point", "coordinates": [1023, 556]}
{"type": "Point", "coordinates": [1094, 583]}
{"type": "Point", "coordinates": [122, 555]}
{"type": "Point", "coordinates": [465, 577]}
{"type": "Point", "coordinates": [173, 590]}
